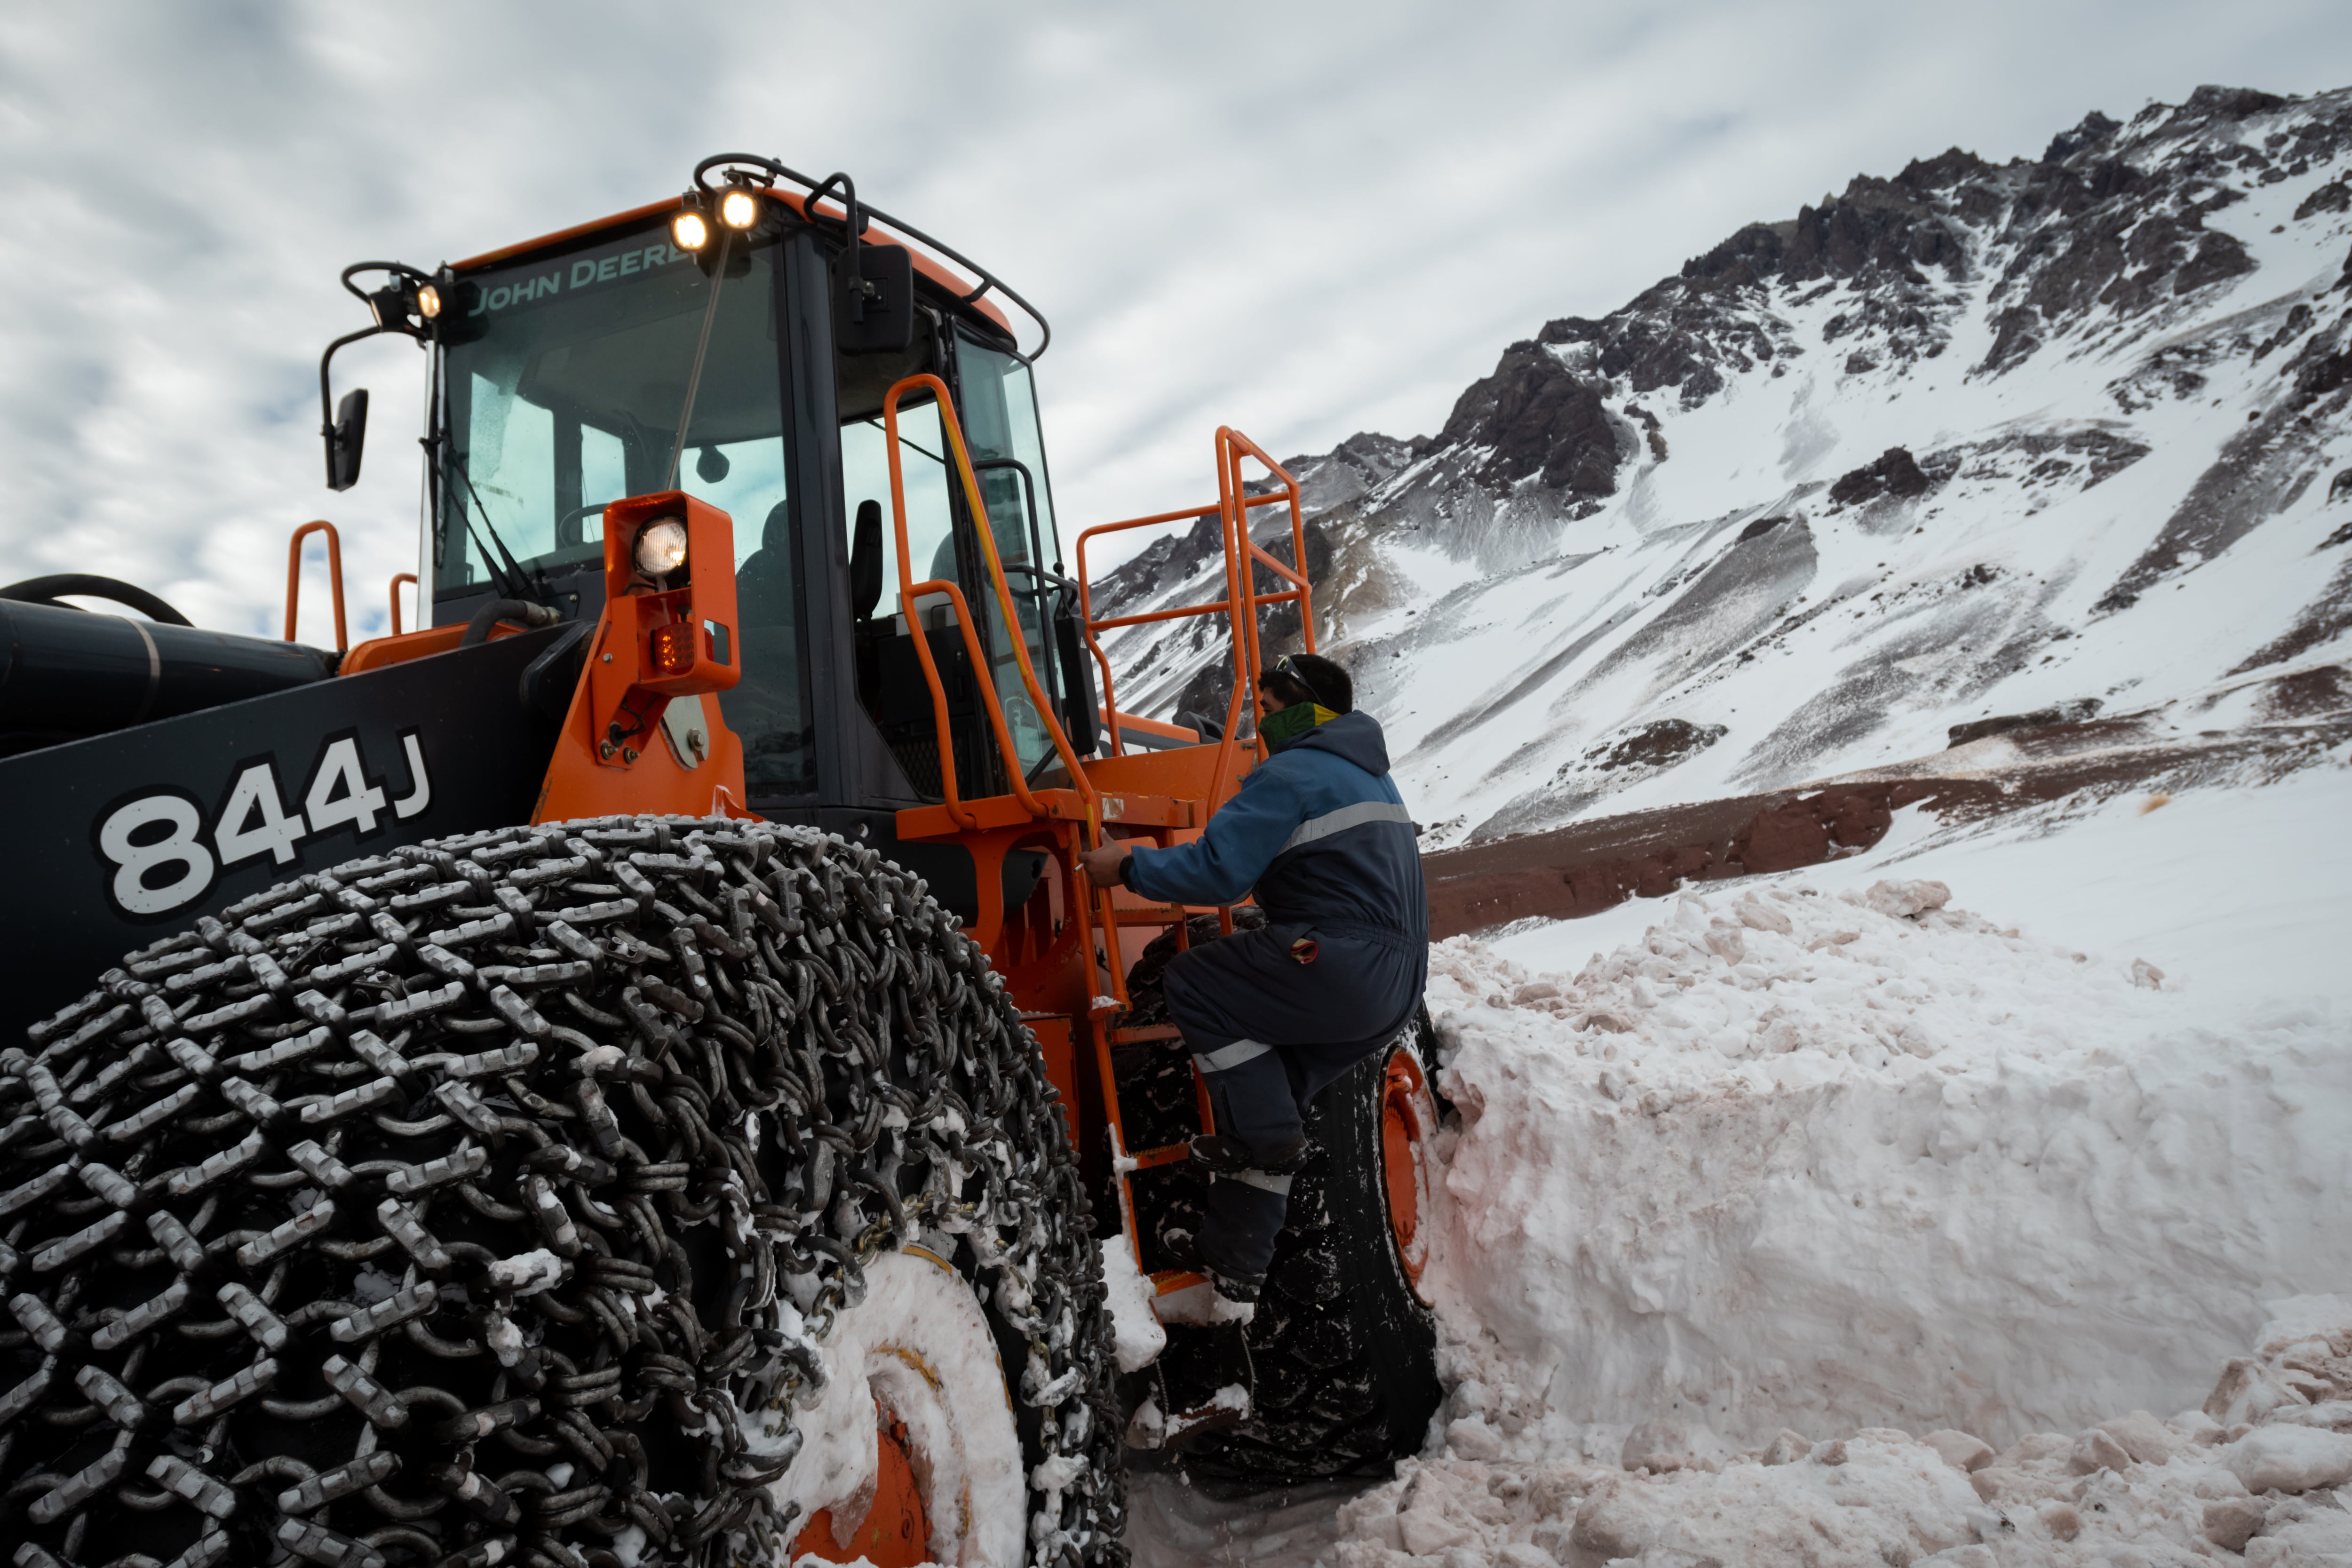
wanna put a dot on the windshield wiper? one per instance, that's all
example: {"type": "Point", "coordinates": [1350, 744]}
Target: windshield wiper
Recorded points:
{"type": "Point", "coordinates": [905, 441]}
{"type": "Point", "coordinates": [513, 564]}
{"type": "Point", "coordinates": [507, 587]}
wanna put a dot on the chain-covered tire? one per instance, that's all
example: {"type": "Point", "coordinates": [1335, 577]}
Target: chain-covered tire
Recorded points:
{"type": "Point", "coordinates": [523, 1197]}
{"type": "Point", "coordinates": [1342, 1345]}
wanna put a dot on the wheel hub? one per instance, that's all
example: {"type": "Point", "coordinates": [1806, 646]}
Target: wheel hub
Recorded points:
{"type": "Point", "coordinates": [910, 1454]}
{"type": "Point", "coordinates": [895, 1531]}
{"type": "Point", "coordinates": [1407, 1118]}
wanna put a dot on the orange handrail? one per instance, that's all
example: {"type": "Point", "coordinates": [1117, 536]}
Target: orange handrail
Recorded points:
{"type": "Point", "coordinates": [1111, 623]}
{"type": "Point", "coordinates": [908, 591]}
{"type": "Point", "coordinates": [397, 579]}
{"type": "Point", "coordinates": [335, 578]}
{"type": "Point", "coordinates": [1241, 602]}
{"type": "Point", "coordinates": [910, 594]}
{"type": "Point", "coordinates": [1241, 581]}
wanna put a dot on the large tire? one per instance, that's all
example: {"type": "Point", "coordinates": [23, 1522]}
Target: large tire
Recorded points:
{"type": "Point", "coordinates": [761, 1063]}
{"type": "Point", "coordinates": [1342, 1345]}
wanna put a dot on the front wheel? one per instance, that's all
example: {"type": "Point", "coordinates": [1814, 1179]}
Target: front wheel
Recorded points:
{"type": "Point", "coordinates": [632, 1194]}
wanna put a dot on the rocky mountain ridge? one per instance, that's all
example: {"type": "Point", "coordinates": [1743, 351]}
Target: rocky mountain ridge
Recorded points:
{"type": "Point", "coordinates": [2064, 435]}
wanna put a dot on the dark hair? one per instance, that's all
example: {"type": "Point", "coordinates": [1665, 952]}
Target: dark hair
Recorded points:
{"type": "Point", "coordinates": [1310, 678]}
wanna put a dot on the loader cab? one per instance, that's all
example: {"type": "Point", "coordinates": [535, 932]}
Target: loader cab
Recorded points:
{"type": "Point", "coordinates": [562, 371]}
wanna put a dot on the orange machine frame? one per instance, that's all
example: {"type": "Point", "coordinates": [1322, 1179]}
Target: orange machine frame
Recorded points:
{"type": "Point", "coordinates": [1064, 951]}
{"type": "Point", "coordinates": [607, 759]}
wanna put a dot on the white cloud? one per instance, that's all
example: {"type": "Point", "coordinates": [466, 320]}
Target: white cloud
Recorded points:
{"type": "Point", "coordinates": [1304, 220]}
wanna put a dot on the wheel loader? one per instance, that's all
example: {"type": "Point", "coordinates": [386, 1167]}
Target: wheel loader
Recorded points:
{"type": "Point", "coordinates": [628, 1071]}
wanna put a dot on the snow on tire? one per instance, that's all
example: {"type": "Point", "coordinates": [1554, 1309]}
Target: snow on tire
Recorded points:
{"type": "Point", "coordinates": [521, 1197]}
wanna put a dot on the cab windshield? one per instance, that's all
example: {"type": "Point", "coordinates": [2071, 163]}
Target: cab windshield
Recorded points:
{"type": "Point", "coordinates": [560, 390]}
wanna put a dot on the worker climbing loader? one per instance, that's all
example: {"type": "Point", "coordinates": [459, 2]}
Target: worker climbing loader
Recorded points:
{"type": "Point", "coordinates": [628, 1072]}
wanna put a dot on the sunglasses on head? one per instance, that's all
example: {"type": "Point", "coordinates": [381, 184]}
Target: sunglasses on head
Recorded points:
{"type": "Point", "coordinates": [1282, 665]}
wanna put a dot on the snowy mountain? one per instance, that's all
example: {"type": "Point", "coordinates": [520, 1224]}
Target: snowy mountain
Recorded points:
{"type": "Point", "coordinates": [2052, 439]}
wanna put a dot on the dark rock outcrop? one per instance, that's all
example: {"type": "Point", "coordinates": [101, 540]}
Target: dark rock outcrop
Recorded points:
{"type": "Point", "coordinates": [1536, 420]}
{"type": "Point", "coordinates": [2065, 713]}
{"type": "Point", "coordinates": [1895, 473]}
{"type": "Point", "coordinates": [1661, 743]}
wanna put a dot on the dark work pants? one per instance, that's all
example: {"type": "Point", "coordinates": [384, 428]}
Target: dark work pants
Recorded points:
{"type": "Point", "coordinates": [1269, 1034]}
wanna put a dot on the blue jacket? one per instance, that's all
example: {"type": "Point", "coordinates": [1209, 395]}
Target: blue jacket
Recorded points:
{"type": "Point", "coordinates": [1322, 834]}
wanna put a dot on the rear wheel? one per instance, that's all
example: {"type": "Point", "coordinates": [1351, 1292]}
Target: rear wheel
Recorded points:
{"type": "Point", "coordinates": [613, 1193]}
{"type": "Point", "coordinates": [1342, 1345]}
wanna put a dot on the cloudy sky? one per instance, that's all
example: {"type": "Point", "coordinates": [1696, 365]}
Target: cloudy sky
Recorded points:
{"type": "Point", "coordinates": [1302, 219]}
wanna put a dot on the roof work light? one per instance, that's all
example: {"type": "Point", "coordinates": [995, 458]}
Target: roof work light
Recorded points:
{"type": "Point", "coordinates": [738, 208]}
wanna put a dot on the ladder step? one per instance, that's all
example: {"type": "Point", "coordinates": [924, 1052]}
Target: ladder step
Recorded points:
{"type": "Point", "coordinates": [1153, 915]}
{"type": "Point", "coordinates": [1145, 1032]}
{"type": "Point", "coordinates": [1166, 1154]}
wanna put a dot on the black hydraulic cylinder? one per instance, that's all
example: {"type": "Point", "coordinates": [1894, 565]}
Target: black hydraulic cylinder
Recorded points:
{"type": "Point", "coordinates": [81, 673]}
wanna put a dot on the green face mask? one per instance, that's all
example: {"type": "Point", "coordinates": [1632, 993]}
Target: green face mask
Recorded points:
{"type": "Point", "coordinates": [1289, 724]}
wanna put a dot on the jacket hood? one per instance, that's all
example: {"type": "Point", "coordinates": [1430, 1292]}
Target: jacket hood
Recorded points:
{"type": "Point", "coordinates": [1354, 737]}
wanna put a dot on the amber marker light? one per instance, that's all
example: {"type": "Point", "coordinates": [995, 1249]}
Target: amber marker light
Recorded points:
{"type": "Point", "coordinates": [673, 648]}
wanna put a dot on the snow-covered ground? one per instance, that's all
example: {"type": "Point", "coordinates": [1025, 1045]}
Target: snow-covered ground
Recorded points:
{"type": "Point", "coordinates": [2003, 1134]}
{"type": "Point", "coordinates": [1764, 1184]}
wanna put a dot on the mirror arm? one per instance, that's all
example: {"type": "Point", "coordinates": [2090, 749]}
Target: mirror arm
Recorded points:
{"type": "Point", "coordinates": [325, 393]}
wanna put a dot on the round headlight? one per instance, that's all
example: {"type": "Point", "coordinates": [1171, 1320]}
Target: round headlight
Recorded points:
{"type": "Point", "coordinates": [689, 230]}
{"type": "Point", "coordinates": [738, 209]}
{"type": "Point", "coordinates": [661, 547]}
{"type": "Point", "coordinates": [428, 301]}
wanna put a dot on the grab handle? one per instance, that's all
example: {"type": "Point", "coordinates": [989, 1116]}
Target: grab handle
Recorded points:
{"type": "Point", "coordinates": [335, 578]}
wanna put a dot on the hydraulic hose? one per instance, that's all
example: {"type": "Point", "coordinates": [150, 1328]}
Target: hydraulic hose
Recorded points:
{"type": "Point", "coordinates": [519, 611]}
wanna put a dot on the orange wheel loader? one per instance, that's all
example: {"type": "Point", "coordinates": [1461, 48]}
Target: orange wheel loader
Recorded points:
{"type": "Point", "coordinates": [628, 1072]}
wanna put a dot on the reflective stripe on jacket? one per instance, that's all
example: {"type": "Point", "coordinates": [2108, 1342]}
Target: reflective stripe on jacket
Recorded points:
{"type": "Point", "coordinates": [1318, 831]}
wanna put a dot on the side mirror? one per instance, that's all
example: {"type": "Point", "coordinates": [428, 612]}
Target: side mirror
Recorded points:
{"type": "Point", "coordinates": [345, 440]}
{"type": "Point", "coordinates": [873, 300]}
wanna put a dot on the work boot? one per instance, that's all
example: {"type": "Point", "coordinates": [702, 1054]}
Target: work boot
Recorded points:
{"type": "Point", "coordinates": [1185, 1251]}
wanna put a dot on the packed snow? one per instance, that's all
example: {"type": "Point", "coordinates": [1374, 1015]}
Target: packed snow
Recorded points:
{"type": "Point", "coordinates": [1843, 1217]}
{"type": "Point", "coordinates": [1837, 1161]}
{"type": "Point", "coordinates": [1126, 1295]}
{"type": "Point", "coordinates": [2251, 1470]}
{"type": "Point", "coordinates": [1980, 1199]}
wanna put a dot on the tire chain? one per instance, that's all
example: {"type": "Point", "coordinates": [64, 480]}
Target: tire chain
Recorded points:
{"type": "Point", "coordinates": [642, 1058]}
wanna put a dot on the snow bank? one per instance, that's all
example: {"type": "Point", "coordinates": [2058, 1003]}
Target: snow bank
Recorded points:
{"type": "Point", "coordinates": [1837, 1163]}
{"type": "Point", "coordinates": [2132, 1491]}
